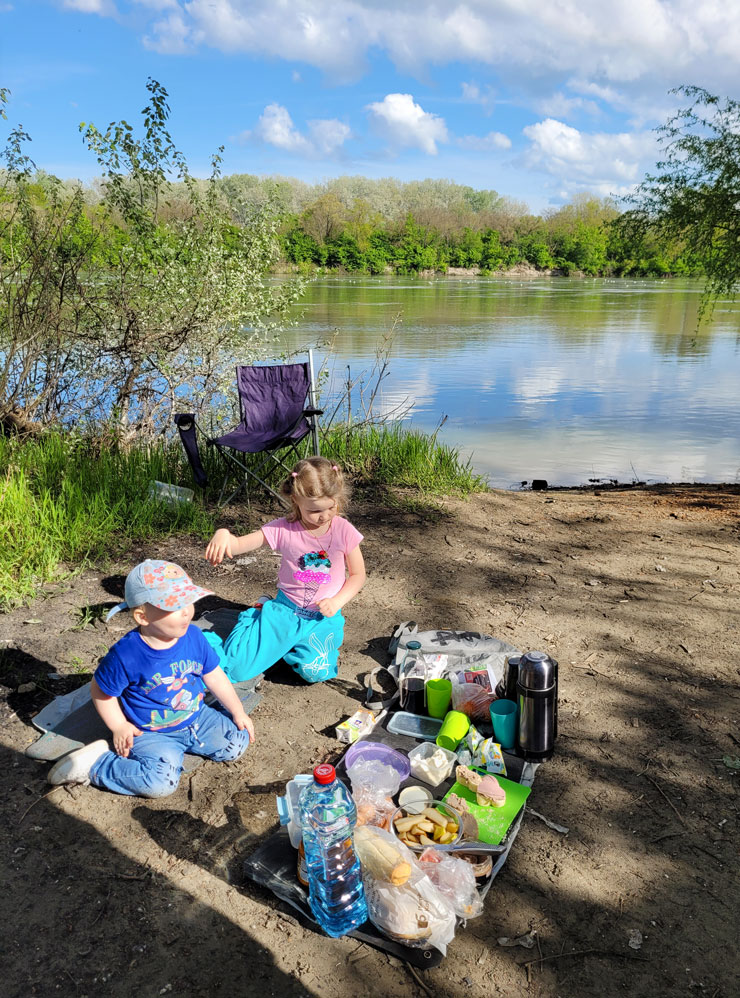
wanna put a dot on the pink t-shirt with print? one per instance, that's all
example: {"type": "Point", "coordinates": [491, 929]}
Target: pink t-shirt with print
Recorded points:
{"type": "Point", "coordinates": [312, 568]}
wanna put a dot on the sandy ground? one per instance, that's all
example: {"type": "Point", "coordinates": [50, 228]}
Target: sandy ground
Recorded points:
{"type": "Point", "coordinates": [635, 592]}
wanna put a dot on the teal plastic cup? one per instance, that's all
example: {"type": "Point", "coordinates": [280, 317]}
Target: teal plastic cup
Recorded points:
{"type": "Point", "coordinates": [454, 728]}
{"type": "Point", "coordinates": [439, 694]}
{"type": "Point", "coordinates": [503, 719]}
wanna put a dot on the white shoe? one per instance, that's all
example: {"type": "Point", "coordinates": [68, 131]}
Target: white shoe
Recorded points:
{"type": "Point", "coordinates": [75, 766]}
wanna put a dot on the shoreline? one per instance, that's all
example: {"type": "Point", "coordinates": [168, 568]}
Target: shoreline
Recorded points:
{"type": "Point", "coordinates": [612, 486]}
{"type": "Point", "coordinates": [520, 271]}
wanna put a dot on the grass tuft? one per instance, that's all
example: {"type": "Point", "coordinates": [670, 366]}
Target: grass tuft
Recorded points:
{"type": "Point", "coordinates": [61, 501]}
{"type": "Point", "coordinates": [395, 456]}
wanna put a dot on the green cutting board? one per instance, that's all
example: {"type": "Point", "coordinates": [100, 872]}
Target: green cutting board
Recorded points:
{"type": "Point", "coordinates": [494, 822]}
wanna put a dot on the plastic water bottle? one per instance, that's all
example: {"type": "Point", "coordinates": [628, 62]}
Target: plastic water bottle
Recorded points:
{"type": "Point", "coordinates": [328, 817]}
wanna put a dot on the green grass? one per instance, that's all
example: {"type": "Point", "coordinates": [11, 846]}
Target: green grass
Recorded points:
{"type": "Point", "coordinates": [66, 503]}
{"type": "Point", "coordinates": [395, 456]}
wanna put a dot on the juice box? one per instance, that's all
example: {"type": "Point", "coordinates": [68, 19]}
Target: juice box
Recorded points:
{"type": "Point", "coordinates": [361, 722]}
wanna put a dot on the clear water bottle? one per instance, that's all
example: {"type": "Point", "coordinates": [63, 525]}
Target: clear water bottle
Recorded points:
{"type": "Point", "coordinates": [328, 817]}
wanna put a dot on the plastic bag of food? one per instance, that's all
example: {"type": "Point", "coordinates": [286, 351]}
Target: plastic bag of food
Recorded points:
{"type": "Point", "coordinates": [472, 700]}
{"type": "Point", "coordinates": [374, 783]}
{"type": "Point", "coordinates": [401, 899]}
{"type": "Point", "coordinates": [455, 880]}
{"type": "Point", "coordinates": [482, 753]}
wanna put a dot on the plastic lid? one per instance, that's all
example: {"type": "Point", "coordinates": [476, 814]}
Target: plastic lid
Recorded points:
{"type": "Point", "coordinates": [324, 774]}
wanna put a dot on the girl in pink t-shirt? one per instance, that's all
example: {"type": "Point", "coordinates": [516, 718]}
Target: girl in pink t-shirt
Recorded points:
{"type": "Point", "coordinates": [321, 569]}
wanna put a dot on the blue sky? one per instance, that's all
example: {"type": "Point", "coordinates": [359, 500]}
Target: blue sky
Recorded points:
{"type": "Point", "coordinates": [537, 101]}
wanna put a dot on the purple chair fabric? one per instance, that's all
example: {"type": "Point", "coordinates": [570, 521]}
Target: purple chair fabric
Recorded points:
{"type": "Point", "coordinates": [185, 423]}
{"type": "Point", "coordinates": [272, 401]}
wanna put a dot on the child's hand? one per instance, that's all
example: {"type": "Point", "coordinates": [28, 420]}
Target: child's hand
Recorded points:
{"type": "Point", "coordinates": [219, 546]}
{"type": "Point", "coordinates": [123, 738]}
{"type": "Point", "coordinates": [242, 721]}
{"type": "Point", "coordinates": [329, 606]}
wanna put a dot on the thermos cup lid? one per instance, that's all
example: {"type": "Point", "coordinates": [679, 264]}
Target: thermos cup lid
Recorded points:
{"type": "Point", "coordinates": [536, 671]}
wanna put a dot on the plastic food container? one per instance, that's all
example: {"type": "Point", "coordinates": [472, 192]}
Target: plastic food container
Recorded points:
{"type": "Point", "coordinates": [414, 725]}
{"type": "Point", "coordinates": [446, 810]}
{"type": "Point", "coordinates": [287, 806]}
{"type": "Point", "coordinates": [431, 763]}
{"type": "Point", "coordinates": [377, 752]}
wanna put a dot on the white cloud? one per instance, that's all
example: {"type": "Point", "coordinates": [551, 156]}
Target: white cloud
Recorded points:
{"type": "Point", "coordinates": [484, 143]}
{"type": "Point", "coordinates": [560, 106]}
{"type": "Point", "coordinates": [159, 4]}
{"type": "Point", "coordinates": [478, 95]}
{"type": "Point", "coordinates": [171, 35]}
{"type": "Point", "coordinates": [275, 127]}
{"type": "Point", "coordinates": [328, 135]}
{"type": "Point", "coordinates": [602, 162]}
{"type": "Point", "coordinates": [103, 7]}
{"type": "Point", "coordinates": [403, 122]}
{"type": "Point", "coordinates": [638, 44]}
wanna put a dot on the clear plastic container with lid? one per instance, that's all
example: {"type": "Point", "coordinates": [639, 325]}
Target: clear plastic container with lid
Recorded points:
{"type": "Point", "coordinates": [328, 817]}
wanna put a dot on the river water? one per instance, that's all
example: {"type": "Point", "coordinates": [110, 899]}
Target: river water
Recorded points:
{"type": "Point", "coordinates": [569, 380]}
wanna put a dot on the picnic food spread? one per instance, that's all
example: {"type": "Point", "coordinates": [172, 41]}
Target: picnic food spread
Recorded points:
{"type": "Point", "coordinates": [426, 858]}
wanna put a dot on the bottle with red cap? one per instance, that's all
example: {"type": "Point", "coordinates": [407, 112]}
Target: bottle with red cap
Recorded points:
{"type": "Point", "coordinates": [328, 818]}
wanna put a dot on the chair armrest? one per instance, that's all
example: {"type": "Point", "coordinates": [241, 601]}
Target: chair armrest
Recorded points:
{"type": "Point", "coordinates": [313, 412]}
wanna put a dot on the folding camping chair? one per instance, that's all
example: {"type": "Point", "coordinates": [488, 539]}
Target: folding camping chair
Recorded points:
{"type": "Point", "coordinates": [275, 417]}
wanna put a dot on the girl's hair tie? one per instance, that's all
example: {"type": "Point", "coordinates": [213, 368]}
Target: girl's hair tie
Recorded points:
{"type": "Point", "coordinates": [294, 474]}
{"type": "Point", "coordinates": [334, 468]}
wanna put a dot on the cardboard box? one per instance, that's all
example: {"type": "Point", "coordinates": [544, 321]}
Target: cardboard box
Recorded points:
{"type": "Point", "coordinates": [361, 722]}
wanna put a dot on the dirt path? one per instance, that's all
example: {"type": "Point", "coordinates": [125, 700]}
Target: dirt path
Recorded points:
{"type": "Point", "coordinates": [635, 592]}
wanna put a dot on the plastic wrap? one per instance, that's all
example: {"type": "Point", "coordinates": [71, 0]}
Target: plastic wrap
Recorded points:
{"type": "Point", "coordinates": [472, 700]}
{"type": "Point", "coordinates": [482, 753]}
{"type": "Point", "coordinates": [373, 785]}
{"type": "Point", "coordinates": [415, 912]}
{"type": "Point", "coordinates": [455, 880]}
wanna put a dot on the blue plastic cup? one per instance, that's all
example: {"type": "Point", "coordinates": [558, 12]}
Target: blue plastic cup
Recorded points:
{"type": "Point", "coordinates": [503, 718]}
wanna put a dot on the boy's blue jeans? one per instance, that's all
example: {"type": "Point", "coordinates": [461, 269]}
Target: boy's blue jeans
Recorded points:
{"type": "Point", "coordinates": [154, 765]}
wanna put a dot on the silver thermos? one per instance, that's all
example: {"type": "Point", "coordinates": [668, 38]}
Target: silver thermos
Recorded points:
{"type": "Point", "coordinates": [537, 700]}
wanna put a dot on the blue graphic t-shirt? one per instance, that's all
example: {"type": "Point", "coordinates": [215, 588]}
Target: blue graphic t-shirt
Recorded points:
{"type": "Point", "coordinates": [159, 690]}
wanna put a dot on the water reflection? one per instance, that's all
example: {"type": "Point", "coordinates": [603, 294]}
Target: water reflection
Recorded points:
{"type": "Point", "coordinates": [559, 379]}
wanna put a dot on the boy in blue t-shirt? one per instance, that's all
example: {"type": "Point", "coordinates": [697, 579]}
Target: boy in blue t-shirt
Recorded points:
{"type": "Point", "coordinates": [149, 691]}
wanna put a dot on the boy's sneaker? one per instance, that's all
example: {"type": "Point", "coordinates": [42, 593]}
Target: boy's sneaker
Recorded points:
{"type": "Point", "coordinates": [75, 767]}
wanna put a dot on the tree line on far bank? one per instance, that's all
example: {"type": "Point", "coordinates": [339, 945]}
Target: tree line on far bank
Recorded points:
{"type": "Point", "coordinates": [580, 237]}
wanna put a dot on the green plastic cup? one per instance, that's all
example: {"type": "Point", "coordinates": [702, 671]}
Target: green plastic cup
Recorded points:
{"type": "Point", "coordinates": [439, 694]}
{"type": "Point", "coordinates": [453, 730]}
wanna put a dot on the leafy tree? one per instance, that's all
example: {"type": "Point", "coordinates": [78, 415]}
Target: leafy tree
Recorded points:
{"type": "Point", "coordinates": [694, 196]}
{"type": "Point", "coordinates": [325, 218]}
{"type": "Point", "coordinates": [130, 308]}
{"type": "Point", "coordinates": [47, 248]}
{"type": "Point", "coordinates": [180, 302]}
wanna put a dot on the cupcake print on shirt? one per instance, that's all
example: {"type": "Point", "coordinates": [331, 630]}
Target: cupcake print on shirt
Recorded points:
{"type": "Point", "coordinates": [314, 571]}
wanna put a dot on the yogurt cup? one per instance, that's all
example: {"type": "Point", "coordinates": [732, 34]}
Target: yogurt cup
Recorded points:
{"type": "Point", "coordinates": [414, 799]}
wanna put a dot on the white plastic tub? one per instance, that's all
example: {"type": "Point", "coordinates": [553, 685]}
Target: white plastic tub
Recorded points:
{"type": "Point", "coordinates": [287, 807]}
{"type": "Point", "coordinates": [420, 758]}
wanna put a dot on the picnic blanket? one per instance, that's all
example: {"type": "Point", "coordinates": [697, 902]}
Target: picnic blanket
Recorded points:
{"type": "Point", "coordinates": [273, 864]}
